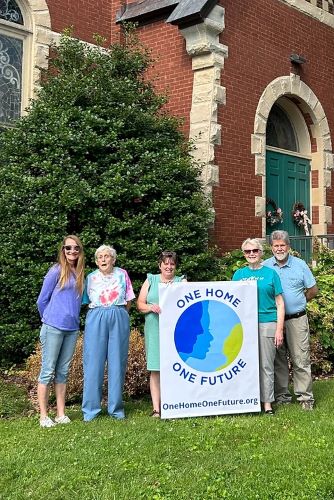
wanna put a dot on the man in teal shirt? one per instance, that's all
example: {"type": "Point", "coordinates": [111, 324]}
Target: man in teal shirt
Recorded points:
{"type": "Point", "coordinates": [299, 286]}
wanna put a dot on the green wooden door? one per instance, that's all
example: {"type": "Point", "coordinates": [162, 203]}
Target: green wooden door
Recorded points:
{"type": "Point", "coordinates": [288, 182]}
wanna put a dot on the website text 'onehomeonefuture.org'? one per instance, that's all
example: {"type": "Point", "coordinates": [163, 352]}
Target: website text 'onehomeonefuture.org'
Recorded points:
{"type": "Point", "coordinates": [204, 404]}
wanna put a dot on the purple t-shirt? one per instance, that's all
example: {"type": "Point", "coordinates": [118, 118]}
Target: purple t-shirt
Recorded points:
{"type": "Point", "coordinates": [59, 307]}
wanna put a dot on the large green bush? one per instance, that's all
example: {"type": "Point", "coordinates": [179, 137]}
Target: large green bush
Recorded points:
{"type": "Point", "coordinates": [321, 310]}
{"type": "Point", "coordinates": [96, 156]}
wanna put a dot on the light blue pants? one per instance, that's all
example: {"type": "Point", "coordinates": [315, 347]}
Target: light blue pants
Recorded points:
{"type": "Point", "coordinates": [106, 338]}
{"type": "Point", "coordinates": [58, 347]}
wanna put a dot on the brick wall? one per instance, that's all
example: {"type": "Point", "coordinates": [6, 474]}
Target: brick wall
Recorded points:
{"type": "Point", "coordinates": [171, 70]}
{"type": "Point", "coordinates": [86, 17]}
{"type": "Point", "coordinates": [260, 36]}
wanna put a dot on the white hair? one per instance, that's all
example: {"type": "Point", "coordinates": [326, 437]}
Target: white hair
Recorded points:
{"type": "Point", "coordinates": [280, 235]}
{"type": "Point", "coordinates": [106, 248]}
{"type": "Point", "coordinates": [252, 241]}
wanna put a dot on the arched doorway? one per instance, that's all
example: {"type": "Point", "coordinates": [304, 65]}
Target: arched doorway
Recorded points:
{"type": "Point", "coordinates": [310, 123]}
{"type": "Point", "coordinates": [288, 168]}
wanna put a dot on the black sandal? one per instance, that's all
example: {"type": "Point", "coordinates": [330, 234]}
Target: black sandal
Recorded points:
{"type": "Point", "coordinates": [269, 412]}
{"type": "Point", "coordinates": [155, 413]}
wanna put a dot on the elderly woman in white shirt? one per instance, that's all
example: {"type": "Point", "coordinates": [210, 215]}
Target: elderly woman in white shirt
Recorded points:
{"type": "Point", "coordinates": [108, 293]}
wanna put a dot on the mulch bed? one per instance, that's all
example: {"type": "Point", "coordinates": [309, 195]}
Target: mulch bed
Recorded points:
{"type": "Point", "coordinates": [31, 389]}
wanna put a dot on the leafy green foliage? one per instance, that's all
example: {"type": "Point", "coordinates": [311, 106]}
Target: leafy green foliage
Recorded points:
{"type": "Point", "coordinates": [324, 258]}
{"type": "Point", "coordinates": [321, 309]}
{"type": "Point", "coordinates": [229, 263]}
{"type": "Point", "coordinates": [95, 156]}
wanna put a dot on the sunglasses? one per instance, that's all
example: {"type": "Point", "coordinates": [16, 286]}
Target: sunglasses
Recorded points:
{"type": "Point", "coordinates": [75, 248]}
{"type": "Point", "coordinates": [254, 250]}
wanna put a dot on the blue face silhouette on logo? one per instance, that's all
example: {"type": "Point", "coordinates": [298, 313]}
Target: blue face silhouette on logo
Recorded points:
{"type": "Point", "coordinates": [208, 335]}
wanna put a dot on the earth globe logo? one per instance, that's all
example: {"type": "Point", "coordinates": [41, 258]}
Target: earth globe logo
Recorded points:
{"type": "Point", "coordinates": [208, 335]}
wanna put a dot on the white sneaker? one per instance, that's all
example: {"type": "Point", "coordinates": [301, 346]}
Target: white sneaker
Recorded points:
{"type": "Point", "coordinates": [63, 420]}
{"type": "Point", "coordinates": [46, 422]}
{"type": "Point", "coordinates": [307, 405]}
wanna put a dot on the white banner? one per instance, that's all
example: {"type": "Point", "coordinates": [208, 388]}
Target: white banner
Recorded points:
{"type": "Point", "coordinates": [209, 348]}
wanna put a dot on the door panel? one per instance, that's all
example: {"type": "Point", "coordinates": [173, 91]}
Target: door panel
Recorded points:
{"type": "Point", "coordinates": [288, 182]}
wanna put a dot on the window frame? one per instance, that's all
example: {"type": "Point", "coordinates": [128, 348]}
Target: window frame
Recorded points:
{"type": "Point", "coordinates": [24, 33]}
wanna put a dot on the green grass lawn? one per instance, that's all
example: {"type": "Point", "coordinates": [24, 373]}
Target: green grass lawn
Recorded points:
{"type": "Point", "coordinates": [288, 456]}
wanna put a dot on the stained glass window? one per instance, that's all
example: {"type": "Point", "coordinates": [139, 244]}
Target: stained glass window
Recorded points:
{"type": "Point", "coordinates": [11, 50]}
{"type": "Point", "coordinates": [280, 132]}
{"type": "Point", "coordinates": [10, 11]}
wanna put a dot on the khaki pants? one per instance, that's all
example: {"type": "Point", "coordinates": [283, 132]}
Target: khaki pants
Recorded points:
{"type": "Point", "coordinates": [297, 337]}
{"type": "Point", "coordinates": [267, 351]}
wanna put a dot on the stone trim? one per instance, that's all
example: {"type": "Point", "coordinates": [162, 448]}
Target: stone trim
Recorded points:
{"type": "Point", "coordinates": [323, 14]}
{"type": "Point", "coordinates": [43, 37]}
{"type": "Point", "coordinates": [322, 160]}
{"type": "Point", "coordinates": [326, 5]}
{"type": "Point", "coordinates": [208, 55]}
{"type": "Point", "coordinates": [37, 36]}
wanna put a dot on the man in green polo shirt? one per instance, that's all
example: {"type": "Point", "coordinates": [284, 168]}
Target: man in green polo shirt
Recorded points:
{"type": "Point", "coordinates": [299, 286]}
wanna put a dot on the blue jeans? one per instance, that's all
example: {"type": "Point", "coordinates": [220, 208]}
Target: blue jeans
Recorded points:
{"type": "Point", "coordinates": [58, 347]}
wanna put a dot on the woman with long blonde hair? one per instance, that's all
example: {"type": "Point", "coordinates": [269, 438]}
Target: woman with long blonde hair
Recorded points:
{"type": "Point", "coordinates": [59, 307]}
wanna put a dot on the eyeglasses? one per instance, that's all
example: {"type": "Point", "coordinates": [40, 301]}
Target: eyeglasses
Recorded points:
{"type": "Point", "coordinates": [102, 256]}
{"type": "Point", "coordinates": [254, 250]}
{"type": "Point", "coordinates": [74, 248]}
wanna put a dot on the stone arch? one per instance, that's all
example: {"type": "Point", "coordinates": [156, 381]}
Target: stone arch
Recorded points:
{"type": "Point", "coordinates": [43, 35]}
{"type": "Point", "coordinates": [321, 155]}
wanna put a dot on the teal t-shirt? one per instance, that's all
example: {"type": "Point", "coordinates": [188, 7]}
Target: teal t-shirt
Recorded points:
{"type": "Point", "coordinates": [268, 286]}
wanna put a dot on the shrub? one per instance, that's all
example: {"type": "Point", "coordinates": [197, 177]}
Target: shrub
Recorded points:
{"type": "Point", "coordinates": [320, 362]}
{"type": "Point", "coordinates": [324, 259]}
{"type": "Point", "coordinates": [321, 309]}
{"type": "Point", "coordinates": [321, 315]}
{"type": "Point", "coordinates": [95, 156]}
{"type": "Point", "coordinates": [136, 380]}
{"type": "Point", "coordinates": [137, 376]}
{"type": "Point", "coordinates": [229, 263]}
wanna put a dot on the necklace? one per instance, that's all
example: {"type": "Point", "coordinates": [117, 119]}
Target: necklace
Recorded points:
{"type": "Point", "coordinates": [166, 282]}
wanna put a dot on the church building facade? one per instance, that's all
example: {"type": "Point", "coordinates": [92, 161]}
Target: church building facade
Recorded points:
{"type": "Point", "coordinates": [253, 82]}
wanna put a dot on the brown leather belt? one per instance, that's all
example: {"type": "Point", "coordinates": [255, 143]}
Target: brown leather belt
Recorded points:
{"type": "Point", "coordinates": [294, 316]}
